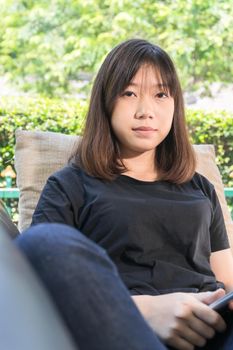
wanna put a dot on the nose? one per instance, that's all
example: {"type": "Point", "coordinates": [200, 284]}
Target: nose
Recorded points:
{"type": "Point", "coordinates": [144, 110]}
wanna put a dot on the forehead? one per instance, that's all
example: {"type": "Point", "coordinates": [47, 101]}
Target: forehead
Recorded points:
{"type": "Point", "coordinates": [147, 76]}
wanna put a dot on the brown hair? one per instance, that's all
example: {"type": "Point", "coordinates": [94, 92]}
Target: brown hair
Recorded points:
{"type": "Point", "coordinates": [98, 153]}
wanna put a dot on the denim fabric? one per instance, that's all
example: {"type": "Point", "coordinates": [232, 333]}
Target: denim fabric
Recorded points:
{"type": "Point", "coordinates": [89, 293]}
{"type": "Point", "coordinates": [86, 289]}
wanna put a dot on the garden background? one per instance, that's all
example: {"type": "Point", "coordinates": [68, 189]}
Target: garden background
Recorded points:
{"type": "Point", "coordinates": [50, 52]}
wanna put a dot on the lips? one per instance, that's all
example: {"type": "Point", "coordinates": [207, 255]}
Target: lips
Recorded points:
{"type": "Point", "coordinates": [144, 128]}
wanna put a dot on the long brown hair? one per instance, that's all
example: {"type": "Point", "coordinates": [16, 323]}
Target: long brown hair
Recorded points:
{"type": "Point", "coordinates": [98, 152]}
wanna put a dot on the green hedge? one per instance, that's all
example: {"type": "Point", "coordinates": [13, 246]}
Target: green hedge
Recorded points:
{"type": "Point", "coordinates": [67, 116]}
{"type": "Point", "coordinates": [215, 128]}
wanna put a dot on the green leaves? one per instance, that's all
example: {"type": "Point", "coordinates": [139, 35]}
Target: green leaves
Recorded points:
{"type": "Point", "coordinates": [66, 116]}
{"type": "Point", "coordinates": [215, 128]}
{"type": "Point", "coordinates": [44, 45]}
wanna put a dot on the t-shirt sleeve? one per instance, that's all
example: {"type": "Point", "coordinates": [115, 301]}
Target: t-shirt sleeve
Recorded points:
{"type": "Point", "coordinates": [60, 199]}
{"type": "Point", "coordinates": [218, 233]}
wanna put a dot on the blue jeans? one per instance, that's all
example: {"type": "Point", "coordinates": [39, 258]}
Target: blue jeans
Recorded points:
{"type": "Point", "coordinates": [92, 299]}
{"type": "Point", "coordinates": [87, 290]}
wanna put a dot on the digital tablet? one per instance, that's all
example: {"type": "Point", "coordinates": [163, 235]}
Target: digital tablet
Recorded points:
{"type": "Point", "coordinates": [221, 305]}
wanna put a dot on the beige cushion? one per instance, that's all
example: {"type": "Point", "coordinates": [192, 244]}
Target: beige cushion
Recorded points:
{"type": "Point", "coordinates": [206, 166]}
{"type": "Point", "coordinates": [38, 154]}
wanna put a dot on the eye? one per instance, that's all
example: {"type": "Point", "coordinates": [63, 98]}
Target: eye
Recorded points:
{"type": "Point", "coordinates": [161, 94]}
{"type": "Point", "coordinates": [128, 93]}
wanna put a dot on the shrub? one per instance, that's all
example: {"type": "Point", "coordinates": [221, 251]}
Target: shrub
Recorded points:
{"type": "Point", "coordinates": [215, 128]}
{"type": "Point", "coordinates": [65, 116]}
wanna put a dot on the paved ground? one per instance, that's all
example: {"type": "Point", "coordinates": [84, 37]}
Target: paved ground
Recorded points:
{"type": "Point", "coordinates": [221, 98]}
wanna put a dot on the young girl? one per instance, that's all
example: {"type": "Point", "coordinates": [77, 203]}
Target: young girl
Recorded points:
{"type": "Point", "coordinates": [131, 187]}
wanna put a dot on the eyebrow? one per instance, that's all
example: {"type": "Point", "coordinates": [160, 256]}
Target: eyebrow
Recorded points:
{"type": "Point", "coordinates": [153, 85]}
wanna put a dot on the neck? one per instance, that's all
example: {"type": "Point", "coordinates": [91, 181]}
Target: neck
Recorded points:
{"type": "Point", "coordinates": [141, 166]}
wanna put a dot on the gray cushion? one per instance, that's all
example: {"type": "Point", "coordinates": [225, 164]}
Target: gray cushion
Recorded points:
{"type": "Point", "coordinates": [28, 318]}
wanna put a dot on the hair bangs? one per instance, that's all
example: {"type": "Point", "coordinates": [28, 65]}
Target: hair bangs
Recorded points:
{"type": "Point", "coordinates": [164, 70]}
{"type": "Point", "coordinates": [135, 56]}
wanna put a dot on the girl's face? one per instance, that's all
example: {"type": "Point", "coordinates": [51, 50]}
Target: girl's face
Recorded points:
{"type": "Point", "coordinates": [143, 113]}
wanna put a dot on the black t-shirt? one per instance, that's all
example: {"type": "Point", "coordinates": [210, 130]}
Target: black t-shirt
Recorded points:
{"type": "Point", "coordinates": [160, 235]}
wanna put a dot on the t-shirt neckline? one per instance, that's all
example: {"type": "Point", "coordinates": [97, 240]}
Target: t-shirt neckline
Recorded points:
{"type": "Point", "coordinates": [133, 180]}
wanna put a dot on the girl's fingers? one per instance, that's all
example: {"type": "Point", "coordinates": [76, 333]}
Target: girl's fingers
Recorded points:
{"type": "Point", "coordinates": [201, 328]}
{"type": "Point", "coordinates": [210, 317]}
{"type": "Point", "coordinates": [180, 343]}
{"type": "Point", "coordinates": [230, 305]}
{"type": "Point", "coordinates": [190, 335]}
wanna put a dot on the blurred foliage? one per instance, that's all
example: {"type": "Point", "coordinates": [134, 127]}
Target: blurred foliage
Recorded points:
{"type": "Point", "coordinates": [47, 46]}
{"type": "Point", "coordinates": [11, 206]}
{"type": "Point", "coordinates": [215, 128]}
{"type": "Point", "coordinates": [65, 116]}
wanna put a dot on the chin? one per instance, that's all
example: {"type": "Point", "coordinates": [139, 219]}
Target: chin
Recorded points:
{"type": "Point", "coordinates": [146, 148]}
{"type": "Point", "coordinates": [141, 150]}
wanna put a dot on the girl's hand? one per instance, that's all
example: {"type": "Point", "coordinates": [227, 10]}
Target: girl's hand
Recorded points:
{"type": "Point", "coordinates": [230, 305]}
{"type": "Point", "coordinates": [182, 320]}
